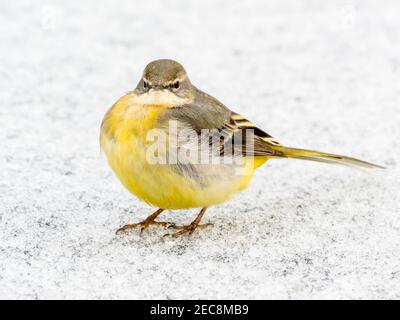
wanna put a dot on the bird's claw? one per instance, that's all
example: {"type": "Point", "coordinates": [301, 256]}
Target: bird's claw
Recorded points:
{"type": "Point", "coordinates": [189, 229]}
{"type": "Point", "coordinates": [144, 225]}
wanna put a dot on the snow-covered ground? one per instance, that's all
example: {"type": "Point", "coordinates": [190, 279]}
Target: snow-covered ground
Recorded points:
{"type": "Point", "coordinates": [323, 76]}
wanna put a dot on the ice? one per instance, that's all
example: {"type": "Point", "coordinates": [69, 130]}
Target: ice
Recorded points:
{"type": "Point", "coordinates": [312, 74]}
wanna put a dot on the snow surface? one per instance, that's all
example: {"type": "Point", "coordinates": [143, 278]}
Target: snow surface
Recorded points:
{"type": "Point", "coordinates": [323, 76]}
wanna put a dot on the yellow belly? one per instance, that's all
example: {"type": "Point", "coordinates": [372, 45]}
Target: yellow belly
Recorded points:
{"type": "Point", "coordinates": [122, 139]}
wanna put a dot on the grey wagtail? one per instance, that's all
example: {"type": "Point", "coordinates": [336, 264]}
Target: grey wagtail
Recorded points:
{"type": "Point", "coordinates": [165, 97]}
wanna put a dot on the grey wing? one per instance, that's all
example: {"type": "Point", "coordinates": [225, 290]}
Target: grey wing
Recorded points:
{"type": "Point", "coordinates": [233, 133]}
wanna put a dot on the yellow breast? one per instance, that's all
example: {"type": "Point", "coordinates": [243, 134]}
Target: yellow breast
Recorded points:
{"type": "Point", "coordinates": [123, 139]}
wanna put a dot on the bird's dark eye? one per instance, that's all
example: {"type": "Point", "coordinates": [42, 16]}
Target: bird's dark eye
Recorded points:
{"type": "Point", "coordinates": [176, 84]}
{"type": "Point", "coordinates": [145, 84]}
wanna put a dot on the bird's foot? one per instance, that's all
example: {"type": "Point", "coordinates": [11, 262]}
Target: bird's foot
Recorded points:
{"type": "Point", "coordinates": [188, 230]}
{"type": "Point", "coordinates": [145, 224]}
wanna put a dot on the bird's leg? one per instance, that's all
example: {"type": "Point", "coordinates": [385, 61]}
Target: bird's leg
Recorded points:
{"type": "Point", "coordinates": [193, 226]}
{"type": "Point", "coordinates": [147, 222]}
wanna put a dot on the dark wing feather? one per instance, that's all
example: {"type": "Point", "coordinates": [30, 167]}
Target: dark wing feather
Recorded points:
{"type": "Point", "coordinates": [255, 142]}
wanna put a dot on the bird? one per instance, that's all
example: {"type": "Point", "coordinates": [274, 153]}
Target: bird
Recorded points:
{"type": "Point", "coordinates": [164, 98]}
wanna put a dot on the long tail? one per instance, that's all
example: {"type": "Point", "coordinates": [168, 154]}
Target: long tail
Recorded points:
{"type": "Point", "coordinates": [323, 157]}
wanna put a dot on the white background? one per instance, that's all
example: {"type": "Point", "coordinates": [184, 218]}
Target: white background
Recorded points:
{"type": "Point", "coordinates": [321, 76]}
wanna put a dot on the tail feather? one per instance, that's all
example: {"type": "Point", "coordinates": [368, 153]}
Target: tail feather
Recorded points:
{"type": "Point", "coordinates": [324, 157]}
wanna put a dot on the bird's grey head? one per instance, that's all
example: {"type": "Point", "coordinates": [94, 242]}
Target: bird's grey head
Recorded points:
{"type": "Point", "coordinates": [164, 75]}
